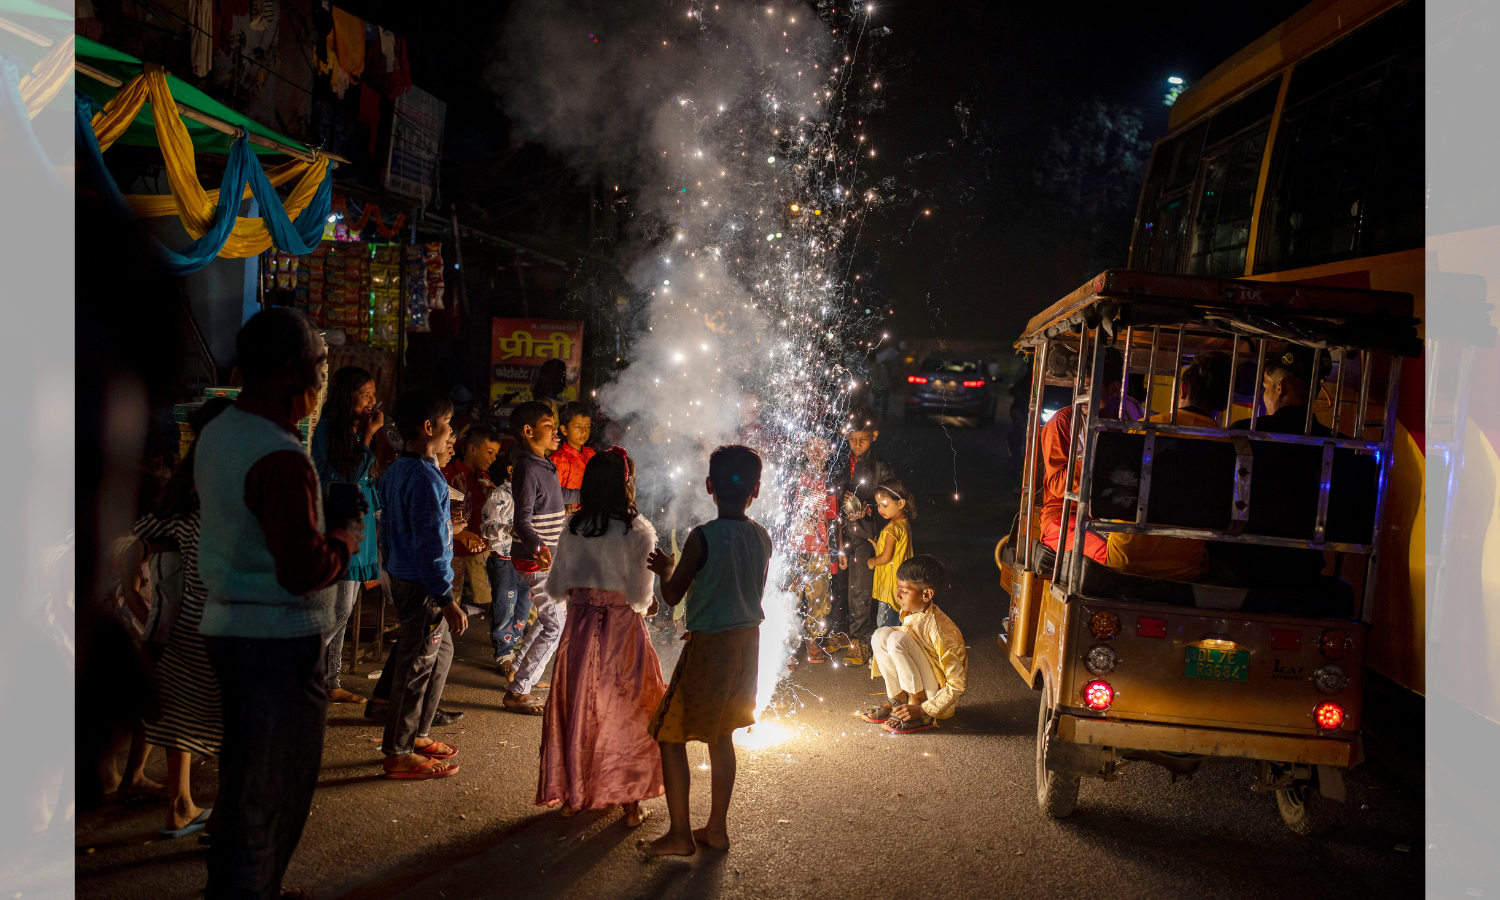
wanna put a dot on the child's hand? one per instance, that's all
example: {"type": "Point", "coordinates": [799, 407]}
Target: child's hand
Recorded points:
{"type": "Point", "coordinates": [660, 562]}
{"type": "Point", "coordinates": [544, 559]}
{"type": "Point", "coordinates": [453, 614]}
{"type": "Point", "coordinates": [872, 543]}
{"type": "Point", "coordinates": [908, 711]}
{"type": "Point", "coordinates": [871, 563]}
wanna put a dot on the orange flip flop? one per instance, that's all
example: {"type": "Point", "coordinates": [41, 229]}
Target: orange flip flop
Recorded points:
{"type": "Point", "coordinates": [437, 750]}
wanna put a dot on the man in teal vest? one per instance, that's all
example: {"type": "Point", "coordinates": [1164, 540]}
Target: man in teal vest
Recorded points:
{"type": "Point", "coordinates": [269, 568]}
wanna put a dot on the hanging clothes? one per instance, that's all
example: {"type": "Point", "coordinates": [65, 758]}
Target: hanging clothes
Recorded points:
{"type": "Point", "coordinates": [399, 81]}
{"type": "Point", "coordinates": [223, 29]}
{"type": "Point", "coordinates": [388, 49]}
{"type": "Point", "coordinates": [201, 43]}
{"type": "Point", "coordinates": [347, 39]}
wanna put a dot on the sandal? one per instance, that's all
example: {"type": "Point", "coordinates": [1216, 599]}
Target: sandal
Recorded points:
{"type": "Point", "coordinates": [524, 707]}
{"type": "Point", "coordinates": [431, 768]}
{"type": "Point", "coordinates": [437, 750]}
{"type": "Point", "coordinates": [877, 714]}
{"type": "Point", "coordinates": [898, 726]}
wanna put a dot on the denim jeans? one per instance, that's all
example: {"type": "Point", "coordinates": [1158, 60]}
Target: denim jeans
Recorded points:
{"type": "Point", "coordinates": [275, 709]}
{"type": "Point", "coordinates": [510, 607]}
{"type": "Point", "coordinates": [346, 594]}
{"type": "Point", "coordinates": [886, 615]}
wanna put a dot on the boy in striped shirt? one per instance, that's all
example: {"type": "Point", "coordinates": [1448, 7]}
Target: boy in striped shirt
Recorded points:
{"type": "Point", "coordinates": [539, 522]}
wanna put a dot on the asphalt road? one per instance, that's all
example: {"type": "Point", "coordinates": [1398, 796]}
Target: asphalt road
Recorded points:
{"type": "Point", "coordinates": [835, 809]}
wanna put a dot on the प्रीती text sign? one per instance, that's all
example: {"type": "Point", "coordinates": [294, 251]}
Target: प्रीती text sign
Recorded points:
{"type": "Point", "coordinates": [521, 346]}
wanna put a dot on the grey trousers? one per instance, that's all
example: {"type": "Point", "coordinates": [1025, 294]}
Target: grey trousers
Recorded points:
{"type": "Point", "coordinates": [419, 664]}
{"type": "Point", "coordinates": [345, 595]}
{"type": "Point", "coordinates": [861, 591]}
{"type": "Point", "coordinates": [540, 642]}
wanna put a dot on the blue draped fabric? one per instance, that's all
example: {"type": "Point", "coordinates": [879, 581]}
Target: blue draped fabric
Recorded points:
{"type": "Point", "coordinates": [297, 237]}
{"type": "Point", "coordinates": [20, 143]}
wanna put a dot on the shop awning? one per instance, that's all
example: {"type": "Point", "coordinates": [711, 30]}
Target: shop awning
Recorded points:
{"type": "Point", "coordinates": [98, 65]}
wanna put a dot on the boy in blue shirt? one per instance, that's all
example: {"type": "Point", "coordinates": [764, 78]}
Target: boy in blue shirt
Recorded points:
{"type": "Point", "coordinates": [722, 574]}
{"type": "Point", "coordinates": [418, 540]}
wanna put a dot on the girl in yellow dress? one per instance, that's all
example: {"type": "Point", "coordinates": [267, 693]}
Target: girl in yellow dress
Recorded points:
{"type": "Point", "coordinates": [898, 507]}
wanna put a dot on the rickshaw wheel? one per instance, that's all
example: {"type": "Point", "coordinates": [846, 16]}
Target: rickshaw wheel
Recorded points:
{"type": "Point", "coordinates": [1056, 793]}
{"type": "Point", "coordinates": [1304, 810]}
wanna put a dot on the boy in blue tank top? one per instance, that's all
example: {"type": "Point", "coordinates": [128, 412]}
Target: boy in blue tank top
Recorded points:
{"type": "Point", "coordinates": [722, 575]}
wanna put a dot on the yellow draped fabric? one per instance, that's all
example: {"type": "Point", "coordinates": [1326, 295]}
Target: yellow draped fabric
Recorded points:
{"type": "Point", "coordinates": [47, 79]}
{"type": "Point", "coordinates": [189, 200]}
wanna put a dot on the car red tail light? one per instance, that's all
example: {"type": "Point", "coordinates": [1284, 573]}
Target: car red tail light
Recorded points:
{"type": "Point", "coordinates": [1333, 644]}
{"type": "Point", "coordinates": [1329, 716]}
{"type": "Point", "coordinates": [1286, 640]}
{"type": "Point", "coordinates": [1146, 626]}
{"type": "Point", "coordinates": [973, 384]}
{"type": "Point", "coordinates": [916, 379]}
{"type": "Point", "coordinates": [1098, 695]}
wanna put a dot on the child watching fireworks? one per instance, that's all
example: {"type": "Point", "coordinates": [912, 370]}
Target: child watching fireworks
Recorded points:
{"type": "Point", "coordinates": [573, 457]}
{"type": "Point", "coordinates": [539, 522]}
{"type": "Point", "coordinates": [867, 471]}
{"type": "Point", "coordinates": [722, 574]}
{"type": "Point", "coordinates": [897, 506]}
{"type": "Point", "coordinates": [512, 596]}
{"type": "Point", "coordinates": [924, 663]}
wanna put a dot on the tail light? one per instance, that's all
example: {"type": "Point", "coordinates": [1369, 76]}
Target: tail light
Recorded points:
{"type": "Point", "coordinates": [1100, 660]}
{"type": "Point", "coordinates": [1104, 625]}
{"type": "Point", "coordinates": [973, 384]}
{"type": "Point", "coordinates": [1334, 644]}
{"type": "Point", "coordinates": [1286, 640]}
{"type": "Point", "coordinates": [1330, 679]}
{"type": "Point", "coordinates": [1098, 695]}
{"type": "Point", "coordinates": [1329, 716]}
{"type": "Point", "coordinates": [916, 379]}
{"type": "Point", "coordinates": [1147, 626]}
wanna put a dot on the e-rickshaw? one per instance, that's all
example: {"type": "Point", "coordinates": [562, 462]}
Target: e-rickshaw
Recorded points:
{"type": "Point", "coordinates": [1139, 669]}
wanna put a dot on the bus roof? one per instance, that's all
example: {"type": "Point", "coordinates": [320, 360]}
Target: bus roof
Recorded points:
{"type": "Point", "coordinates": [1310, 314]}
{"type": "Point", "coordinates": [1311, 27]}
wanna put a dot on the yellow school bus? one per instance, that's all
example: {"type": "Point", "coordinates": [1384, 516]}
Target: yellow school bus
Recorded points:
{"type": "Point", "coordinates": [1300, 159]}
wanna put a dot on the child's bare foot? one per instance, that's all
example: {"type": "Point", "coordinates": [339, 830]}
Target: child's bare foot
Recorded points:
{"type": "Point", "coordinates": [141, 786]}
{"type": "Point", "coordinates": [718, 840]}
{"type": "Point", "coordinates": [339, 695]}
{"type": "Point", "coordinates": [670, 844]}
{"type": "Point", "coordinates": [568, 812]}
{"type": "Point", "coordinates": [634, 815]}
{"type": "Point", "coordinates": [182, 813]}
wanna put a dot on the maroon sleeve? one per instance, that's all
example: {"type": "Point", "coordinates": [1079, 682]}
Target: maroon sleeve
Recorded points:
{"type": "Point", "coordinates": [282, 492]}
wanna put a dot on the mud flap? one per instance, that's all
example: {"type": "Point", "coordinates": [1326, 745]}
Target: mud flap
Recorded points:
{"type": "Point", "coordinates": [1084, 760]}
{"type": "Point", "coordinates": [1331, 782]}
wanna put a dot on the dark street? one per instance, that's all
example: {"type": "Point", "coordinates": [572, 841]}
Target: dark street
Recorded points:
{"type": "Point", "coordinates": [825, 805]}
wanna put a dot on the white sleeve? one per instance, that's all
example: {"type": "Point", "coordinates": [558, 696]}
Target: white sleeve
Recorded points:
{"type": "Point", "coordinates": [560, 578]}
{"type": "Point", "coordinates": [639, 579]}
{"type": "Point", "coordinates": [489, 519]}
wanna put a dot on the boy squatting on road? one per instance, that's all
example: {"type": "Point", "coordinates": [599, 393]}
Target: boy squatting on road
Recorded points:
{"type": "Point", "coordinates": [722, 574]}
{"type": "Point", "coordinates": [924, 662]}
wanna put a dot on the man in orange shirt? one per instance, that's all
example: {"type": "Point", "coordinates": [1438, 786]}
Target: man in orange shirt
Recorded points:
{"type": "Point", "coordinates": [1054, 440]}
{"type": "Point", "coordinates": [573, 457]}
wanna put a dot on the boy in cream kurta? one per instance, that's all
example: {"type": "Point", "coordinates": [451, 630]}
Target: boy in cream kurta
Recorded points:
{"type": "Point", "coordinates": [924, 662]}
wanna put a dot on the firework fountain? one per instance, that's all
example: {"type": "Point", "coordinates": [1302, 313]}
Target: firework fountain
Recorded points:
{"type": "Point", "coordinates": [735, 142]}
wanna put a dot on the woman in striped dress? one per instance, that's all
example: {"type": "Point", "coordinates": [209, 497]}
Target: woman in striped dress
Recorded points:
{"type": "Point", "coordinates": [191, 719]}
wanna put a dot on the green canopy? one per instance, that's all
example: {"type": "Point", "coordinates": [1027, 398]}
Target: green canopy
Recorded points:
{"type": "Point", "coordinates": [142, 131]}
{"type": "Point", "coordinates": [33, 8]}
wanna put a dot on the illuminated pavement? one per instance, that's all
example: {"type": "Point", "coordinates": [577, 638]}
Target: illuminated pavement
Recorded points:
{"type": "Point", "coordinates": [837, 809]}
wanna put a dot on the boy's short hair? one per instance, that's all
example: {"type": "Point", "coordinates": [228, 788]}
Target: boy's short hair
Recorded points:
{"type": "Point", "coordinates": [478, 434]}
{"type": "Point", "coordinates": [573, 410]}
{"type": "Point", "coordinates": [528, 414]}
{"type": "Point", "coordinates": [1205, 380]}
{"type": "Point", "coordinates": [416, 407]}
{"type": "Point", "coordinates": [863, 420]}
{"type": "Point", "coordinates": [734, 471]}
{"type": "Point", "coordinates": [922, 570]}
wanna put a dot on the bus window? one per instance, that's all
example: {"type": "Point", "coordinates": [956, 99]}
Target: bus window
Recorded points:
{"type": "Point", "coordinates": [1221, 231]}
{"type": "Point", "coordinates": [1339, 185]}
{"type": "Point", "coordinates": [1165, 203]}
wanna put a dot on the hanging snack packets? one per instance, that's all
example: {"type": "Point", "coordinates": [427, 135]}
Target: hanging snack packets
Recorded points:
{"type": "Point", "coordinates": [432, 260]}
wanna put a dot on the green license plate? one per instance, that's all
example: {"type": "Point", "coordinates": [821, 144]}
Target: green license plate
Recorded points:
{"type": "Point", "coordinates": [1218, 665]}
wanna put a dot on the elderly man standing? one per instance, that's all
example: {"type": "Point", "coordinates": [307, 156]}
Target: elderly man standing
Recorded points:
{"type": "Point", "coordinates": [269, 569]}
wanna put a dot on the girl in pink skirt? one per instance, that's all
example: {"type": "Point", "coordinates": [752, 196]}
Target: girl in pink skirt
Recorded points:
{"type": "Point", "coordinates": [607, 681]}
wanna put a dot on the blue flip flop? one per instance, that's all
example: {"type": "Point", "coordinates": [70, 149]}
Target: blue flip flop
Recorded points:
{"type": "Point", "coordinates": [198, 824]}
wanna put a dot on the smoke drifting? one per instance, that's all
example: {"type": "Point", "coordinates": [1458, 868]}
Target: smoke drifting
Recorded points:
{"type": "Point", "coordinates": [722, 127]}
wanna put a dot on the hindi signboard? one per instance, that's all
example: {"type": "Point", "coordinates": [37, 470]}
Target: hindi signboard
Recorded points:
{"type": "Point", "coordinates": [518, 347]}
{"type": "Point", "coordinates": [416, 145]}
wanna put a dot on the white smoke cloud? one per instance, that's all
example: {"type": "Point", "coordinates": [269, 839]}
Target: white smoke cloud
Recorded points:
{"type": "Point", "coordinates": [722, 128]}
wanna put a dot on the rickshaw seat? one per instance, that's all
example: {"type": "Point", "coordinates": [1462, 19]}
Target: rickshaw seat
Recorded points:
{"type": "Point", "coordinates": [1323, 597]}
{"type": "Point", "coordinates": [1192, 486]}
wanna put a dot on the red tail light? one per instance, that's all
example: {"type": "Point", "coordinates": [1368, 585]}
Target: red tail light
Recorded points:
{"type": "Point", "coordinates": [973, 384]}
{"type": "Point", "coordinates": [916, 379]}
{"type": "Point", "coordinates": [1098, 695]}
{"type": "Point", "coordinates": [1146, 626]}
{"type": "Point", "coordinates": [1334, 644]}
{"type": "Point", "coordinates": [1329, 716]}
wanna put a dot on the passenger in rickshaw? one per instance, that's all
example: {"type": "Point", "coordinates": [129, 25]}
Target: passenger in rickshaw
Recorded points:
{"type": "Point", "coordinates": [1203, 393]}
{"type": "Point", "coordinates": [1287, 386]}
{"type": "Point", "coordinates": [1055, 438]}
